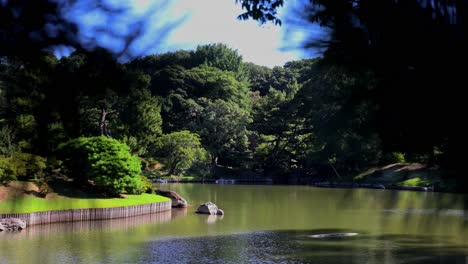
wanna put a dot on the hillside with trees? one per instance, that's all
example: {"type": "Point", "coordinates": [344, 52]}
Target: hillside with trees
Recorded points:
{"type": "Point", "coordinates": [204, 112]}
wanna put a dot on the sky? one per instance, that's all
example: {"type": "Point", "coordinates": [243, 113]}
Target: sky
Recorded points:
{"type": "Point", "coordinates": [213, 21]}
{"type": "Point", "coordinates": [172, 25]}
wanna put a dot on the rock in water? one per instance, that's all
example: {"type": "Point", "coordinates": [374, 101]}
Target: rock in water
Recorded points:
{"type": "Point", "coordinates": [177, 200]}
{"type": "Point", "coordinates": [12, 224]}
{"type": "Point", "coordinates": [209, 208]}
{"type": "Point", "coordinates": [333, 235]}
{"type": "Point", "coordinates": [220, 212]}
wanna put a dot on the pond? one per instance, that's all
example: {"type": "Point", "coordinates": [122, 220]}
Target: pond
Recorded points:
{"type": "Point", "coordinates": [263, 223]}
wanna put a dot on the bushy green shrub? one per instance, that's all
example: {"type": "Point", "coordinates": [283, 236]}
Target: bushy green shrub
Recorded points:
{"type": "Point", "coordinates": [44, 187]}
{"type": "Point", "coordinates": [27, 166]}
{"type": "Point", "coordinates": [147, 185]}
{"type": "Point", "coordinates": [6, 174]}
{"type": "Point", "coordinates": [394, 157]}
{"type": "Point", "coordinates": [106, 162]}
{"type": "Point", "coordinates": [21, 166]}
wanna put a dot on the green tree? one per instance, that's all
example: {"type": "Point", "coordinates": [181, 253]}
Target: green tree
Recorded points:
{"type": "Point", "coordinates": [223, 128]}
{"type": "Point", "coordinates": [180, 150]}
{"type": "Point", "coordinates": [259, 77]}
{"type": "Point", "coordinates": [182, 88]}
{"type": "Point", "coordinates": [220, 56]}
{"type": "Point", "coordinates": [142, 120]}
{"type": "Point", "coordinates": [338, 113]}
{"type": "Point", "coordinates": [213, 83]}
{"type": "Point", "coordinates": [7, 141]}
{"type": "Point", "coordinates": [282, 134]}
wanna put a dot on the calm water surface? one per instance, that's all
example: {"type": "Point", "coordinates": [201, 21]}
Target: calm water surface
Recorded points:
{"type": "Point", "coordinates": [263, 224]}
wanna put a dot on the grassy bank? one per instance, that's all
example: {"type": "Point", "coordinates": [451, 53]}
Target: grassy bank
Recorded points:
{"type": "Point", "coordinates": [34, 204]}
{"type": "Point", "coordinates": [405, 175]}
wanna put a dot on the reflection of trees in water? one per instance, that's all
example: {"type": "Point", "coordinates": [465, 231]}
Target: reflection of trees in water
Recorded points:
{"type": "Point", "coordinates": [104, 241]}
{"type": "Point", "coordinates": [120, 224]}
{"type": "Point", "coordinates": [179, 212]}
{"type": "Point", "coordinates": [408, 211]}
{"type": "Point", "coordinates": [296, 247]}
{"type": "Point", "coordinates": [392, 226]}
{"type": "Point", "coordinates": [301, 207]}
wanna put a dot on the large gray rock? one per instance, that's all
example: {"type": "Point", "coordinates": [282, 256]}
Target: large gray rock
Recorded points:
{"type": "Point", "coordinates": [177, 200]}
{"type": "Point", "coordinates": [209, 208]}
{"type": "Point", "coordinates": [12, 224]}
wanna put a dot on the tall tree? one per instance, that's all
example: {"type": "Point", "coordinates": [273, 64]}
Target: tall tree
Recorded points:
{"type": "Point", "coordinates": [222, 57]}
{"type": "Point", "coordinates": [223, 128]}
{"type": "Point", "coordinates": [179, 150]}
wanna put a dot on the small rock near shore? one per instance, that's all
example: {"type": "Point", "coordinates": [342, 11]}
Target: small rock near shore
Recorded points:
{"type": "Point", "coordinates": [12, 224]}
{"type": "Point", "coordinates": [220, 212]}
{"type": "Point", "coordinates": [333, 235]}
{"type": "Point", "coordinates": [177, 200]}
{"type": "Point", "coordinates": [209, 208]}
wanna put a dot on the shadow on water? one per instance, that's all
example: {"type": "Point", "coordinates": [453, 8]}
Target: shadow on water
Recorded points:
{"type": "Point", "coordinates": [393, 227]}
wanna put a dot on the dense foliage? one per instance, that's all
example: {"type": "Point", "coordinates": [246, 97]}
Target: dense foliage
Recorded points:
{"type": "Point", "coordinates": [105, 162]}
{"type": "Point", "coordinates": [180, 150]}
{"type": "Point", "coordinates": [198, 112]}
{"type": "Point", "coordinates": [21, 166]}
{"type": "Point", "coordinates": [406, 57]}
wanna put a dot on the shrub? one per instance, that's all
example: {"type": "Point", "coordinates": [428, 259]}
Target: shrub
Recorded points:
{"type": "Point", "coordinates": [27, 166]}
{"type": "Point", "coordinates": [7, 139]}
{"type": "Point", "coordinates": [44, 187]}
{"type": "Point", "coordinates": [6, 174]}
{"type": "Point", "coordinates": [394, 157]}
{"type": "Point", "coordinates": [147, 185]}
{"type": "Point", "coordinates": [22, 166]}
{"type": "Point", "coordinates": [103, 161]}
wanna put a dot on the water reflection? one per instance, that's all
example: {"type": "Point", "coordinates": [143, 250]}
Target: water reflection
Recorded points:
{"type": "Point", "coordinates": [179, 212]}
{"type": "Point", "coordinates": [211, 219]}
{"type": "Point", "coordinates": [394, 227]}
{"type": "Point", "coordinates": [121, 224]}
{"type": "Point", "coordinates": [296, 247]}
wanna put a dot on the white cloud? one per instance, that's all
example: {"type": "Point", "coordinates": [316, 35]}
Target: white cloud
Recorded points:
{"type": "Point", "coordinates": [213, 21]}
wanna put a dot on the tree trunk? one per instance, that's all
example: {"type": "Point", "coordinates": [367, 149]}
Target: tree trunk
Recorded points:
{"type": "Point", "coordinates": [172, 169]}
{"type": "Point", "coordinates": [102, 122]}
{"type": "Point", "coordinates": [214, 160]}
{"type": "Point", "coordinates": [214, 163]}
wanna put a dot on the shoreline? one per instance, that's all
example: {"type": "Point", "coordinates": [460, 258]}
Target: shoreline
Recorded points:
{"type": "Point", "coordinates": [89, 214]}
{"type": "Point", "coordinates": [324, 184]}
{"type": "Point", "coordinates": [218, 181]}
{"type": "Point", "coordinates": [372, 186]}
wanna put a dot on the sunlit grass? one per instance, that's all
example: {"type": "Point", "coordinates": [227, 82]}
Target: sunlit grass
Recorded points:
{"type": "Point", "coordinates": [34, 204]}
{"type": "Point", "coordinates": [415, 182]}
{"type": "Point", "coordinates": [181, 177]}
